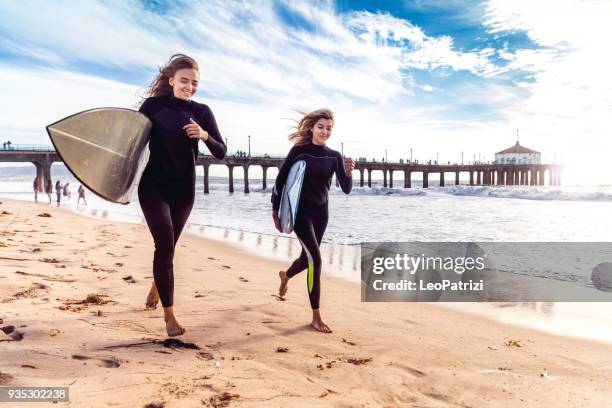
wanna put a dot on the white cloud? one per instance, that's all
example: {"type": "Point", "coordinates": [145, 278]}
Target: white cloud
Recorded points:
{"type": "Point", "coordinates": [245, 49]}
{"type": "Point", "coordinates": [110, 33]}
{"type": "Point", "coordinates": [416, 49]}
{"type": "Point", "coordinates": [569, 107]}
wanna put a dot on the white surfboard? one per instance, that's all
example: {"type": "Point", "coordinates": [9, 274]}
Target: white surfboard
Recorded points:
{"type": "Point", "coordinates": [290, 199]}
{"type": "Point", "coordinates": [105, 149]}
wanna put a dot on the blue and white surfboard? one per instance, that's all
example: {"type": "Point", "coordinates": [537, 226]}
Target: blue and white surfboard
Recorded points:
{"type": "Point", "coordinates": [290, 199]}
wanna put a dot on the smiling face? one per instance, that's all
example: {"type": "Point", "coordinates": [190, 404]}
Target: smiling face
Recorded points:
{"type": "Point", "coordinates": [321, 131]}
{"type": "Point", "coordinates": [184, 83]}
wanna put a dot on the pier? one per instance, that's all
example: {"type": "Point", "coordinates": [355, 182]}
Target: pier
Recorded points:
{"type": "Point", "coordinates": [480, 174]}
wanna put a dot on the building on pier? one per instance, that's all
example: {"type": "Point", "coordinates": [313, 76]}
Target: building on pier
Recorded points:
{"type": "Point", "coordinates": [518, 154]}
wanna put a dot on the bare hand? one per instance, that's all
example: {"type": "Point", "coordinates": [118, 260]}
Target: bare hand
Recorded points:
{"type": "Point", "coordinates": [276, 219]}
{"type": "Point", "coordinates": [194, 130]}
{"type": "Point", "coordinates": [349, 165]}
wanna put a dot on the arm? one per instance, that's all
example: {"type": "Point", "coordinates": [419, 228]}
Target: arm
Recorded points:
{"type": "Point", "coordinates": [147, 107]}
{"type": "Point", "coordinates": [214, 142]}
{"type": "Point", "coordinates": [281, 178]}
{"type": "Point", "coordinates": [345, 180]}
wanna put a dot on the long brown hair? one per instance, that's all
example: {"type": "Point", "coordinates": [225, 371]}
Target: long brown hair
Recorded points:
{"type": "Point", "coordinates": [303, 129]}
{"type": "Point", "coordinates": [161, 85]}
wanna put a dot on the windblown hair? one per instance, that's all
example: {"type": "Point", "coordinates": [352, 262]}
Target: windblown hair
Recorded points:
{"type": "Point", "coordinates": [161, 85]}
{"type": "Point", "coordinates": [303, 129]}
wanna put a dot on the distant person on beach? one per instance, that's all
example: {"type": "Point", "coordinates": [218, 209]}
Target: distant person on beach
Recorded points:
{"type": "Point", "coordinates": [36, 186]}
{"type": "Point", "coordinates": [66, 191]}
{"type": "Point", "coordinates": [167, 188]}
{"type": "Point", "coordinates": [81, 195]}
{"type": "Point", "coordinates": [312, 131]}
{"type": "Point", "coordinates": [49, 189]}
{"type": "Point", "coordinates": [58, 191]}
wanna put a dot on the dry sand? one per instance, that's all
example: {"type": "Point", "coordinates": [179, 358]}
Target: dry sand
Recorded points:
{"type": "Point", "coordinates": [252, 349]}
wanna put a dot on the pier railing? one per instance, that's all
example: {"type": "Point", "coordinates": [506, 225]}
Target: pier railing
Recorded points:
{"type": "Point", "coordinates": [43, 156]}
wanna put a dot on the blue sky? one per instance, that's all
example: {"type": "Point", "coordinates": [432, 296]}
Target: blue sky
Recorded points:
{"type": "Point", "coordinates": [436, 76]}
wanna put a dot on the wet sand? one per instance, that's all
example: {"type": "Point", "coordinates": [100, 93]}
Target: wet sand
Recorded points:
{"type": "Point", "coordinates": [72, 292]}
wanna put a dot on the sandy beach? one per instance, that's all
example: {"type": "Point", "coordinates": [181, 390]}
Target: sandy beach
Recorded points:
{"type": "Point", "coordinates": [72, 292]}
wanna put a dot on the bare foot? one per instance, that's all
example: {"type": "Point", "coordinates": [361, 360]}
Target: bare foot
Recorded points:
{"type": "Point", "coordinates": [319, 325]}
{"type": "Point", "coordinates": [174, 328]}
{"type": "Point", "coordinates": [283, 285]}
{"type": "Point", "coordinates": [152, 298]}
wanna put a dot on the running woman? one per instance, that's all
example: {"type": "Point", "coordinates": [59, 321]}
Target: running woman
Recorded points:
{"type": "Point", "coordinates": [312, 132]}
{"type": "Point", "coordinates": [167, 188]}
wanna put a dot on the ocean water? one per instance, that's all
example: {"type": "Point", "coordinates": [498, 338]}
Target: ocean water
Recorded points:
{"type": "Point", "coordinates": [451, 213]}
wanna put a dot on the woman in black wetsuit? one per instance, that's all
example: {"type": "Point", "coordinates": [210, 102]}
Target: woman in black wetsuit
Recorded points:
{"type": "Point", "coordinates": [167, 187]}
{"type": "Point", "coordinates": [309, 139]}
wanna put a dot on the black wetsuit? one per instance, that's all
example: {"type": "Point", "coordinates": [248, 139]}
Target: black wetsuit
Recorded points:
{"type": "Point", "coordinates": [167, 187]}
{"type": "Point", "coordinates": [321, 163]}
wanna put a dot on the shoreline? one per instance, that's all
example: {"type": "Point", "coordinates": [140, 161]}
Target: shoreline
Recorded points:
{"type": "Point", "coordinates": [573, 319]}
{"type": "Point", "coordinates": [420, 354]}
{"type": "Point", "coordinates": [343, 261]}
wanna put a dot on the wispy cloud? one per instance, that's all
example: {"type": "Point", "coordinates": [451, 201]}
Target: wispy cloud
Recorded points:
{"type": "Point", "coordinates": [413, 48]}
{"type": "Point", "coordinates": [247, 50]}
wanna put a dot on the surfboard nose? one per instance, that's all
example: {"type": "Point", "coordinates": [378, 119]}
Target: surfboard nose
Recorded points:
{"type": "Point", "coordinates": [104, 148]}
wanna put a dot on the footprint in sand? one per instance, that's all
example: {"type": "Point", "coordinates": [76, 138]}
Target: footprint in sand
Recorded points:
{"type": "Point", "coordinates": [13, 333]}
{"type": "Point", "coordinates": [359, 361]}
{"type": "Point", "coordinates": [129, 279]}
{"type": "Point", "coordinates": [111, 362]}
{"type": "Point", "coordinates": [155, 405]}
{"type": "Point", "coordinates": [223, 399]}
{"type": "Point", "coordinates": [31, 293]}
{"type": "Point", "coordinates": [205, 355]}
{"type": "Point", "coordinates": [49, 260]}
{"type": "Point", "coordinates": [243, 279]}
{"type": "Point", "coordinates": [46, 277]}
{"type": "Point", "coordinates": [5, 377]}
{"type": "Point", "coordinates": [54, 332]}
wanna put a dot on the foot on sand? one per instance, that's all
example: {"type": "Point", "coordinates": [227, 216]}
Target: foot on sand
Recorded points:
{"type": "Point", "coordinates": [152, 298]}
{"type": "Point", "coordinates": [319, 325]}
{"type": "Point", "coordinates": [283, 285]}
{"type": "Point", "coordinates": [174, 328]}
